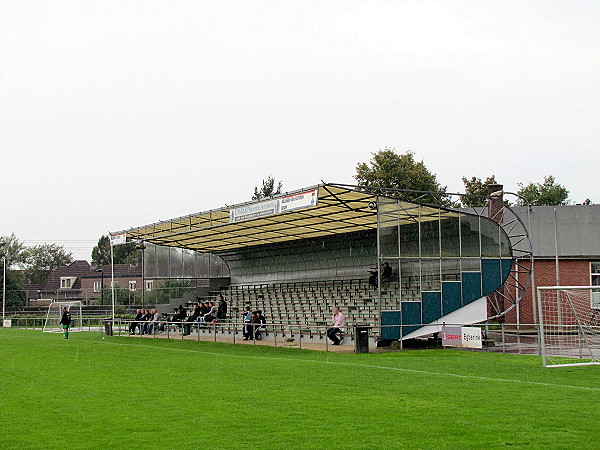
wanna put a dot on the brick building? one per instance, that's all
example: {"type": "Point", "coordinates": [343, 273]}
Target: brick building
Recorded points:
{"type": "Point", "coordinates": [566, 248]}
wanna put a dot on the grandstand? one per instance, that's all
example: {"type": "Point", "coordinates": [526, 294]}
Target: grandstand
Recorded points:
{"type": "Point", "coordinates": [297, 255]}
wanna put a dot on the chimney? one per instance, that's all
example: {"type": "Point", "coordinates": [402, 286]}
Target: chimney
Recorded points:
{"type": "Point", "coordinates": [496, 202]}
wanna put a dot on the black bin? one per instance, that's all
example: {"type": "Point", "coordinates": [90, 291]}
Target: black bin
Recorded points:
{"type": "Point", "coordinates": [108, 327]}
{"type": "Point", "coordinates": [361, 338]}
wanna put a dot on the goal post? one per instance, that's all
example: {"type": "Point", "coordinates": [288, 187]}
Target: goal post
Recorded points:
{"type": "Point", "coordinates": [569, 321]}
{"type": "Point", "coordinates": [52, 323]}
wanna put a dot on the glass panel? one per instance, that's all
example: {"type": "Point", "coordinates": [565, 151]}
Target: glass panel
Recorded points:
{"type": "Point", "coordinates": [471, 264]}
{"type": "Point", "coordinates": [450, 236]}
{"type": "Point", "coordinates": [176, 263]}
{"type": "Point", "coordinates": [505, 250]}
{"type": "Point", "coordinates": [410, 284]}
{"type": "Point", "coordinates": [490, 238]}
{"type": "Point", "coordinates": [430, 275]}
{"type": "Point", "coordinates": [450, 269]}
{"type": "Point", "coordinates": [409, 240]}
{"type": "Point", "coordinates": [469, 229]}
{"type": "Point", "coordinates": [388, 226]}
{"type": "Point", "coordinates": [430, 238]}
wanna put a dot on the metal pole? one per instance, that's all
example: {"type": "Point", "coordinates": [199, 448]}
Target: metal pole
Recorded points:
{"type": "Point", "coordinates": [3, 286]}
{"type": "Point", "coordinates": [112, 280]}
{"type": "Point", "coordinates": [378, 265]}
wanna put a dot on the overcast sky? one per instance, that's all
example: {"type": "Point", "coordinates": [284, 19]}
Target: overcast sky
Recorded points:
{"type": "Point", "coordinates": [115, 114]}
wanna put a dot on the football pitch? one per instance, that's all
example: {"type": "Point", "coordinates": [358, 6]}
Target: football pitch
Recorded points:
{"type": "Point", "coordinates": [120, 392]}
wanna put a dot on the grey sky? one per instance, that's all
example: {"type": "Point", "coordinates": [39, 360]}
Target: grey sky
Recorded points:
{"type": "Point", "coordinates": [121, 113]}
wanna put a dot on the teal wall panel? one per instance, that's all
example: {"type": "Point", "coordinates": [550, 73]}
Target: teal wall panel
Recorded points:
{"type": "Point", "coordinates": [411, 314]}
{"type": "Point", "coordinates": [390, 318]}
{"type": "Point", "coordinates": [451, 296]}
{"type": "Point", "coordinates": [471, 287]}
{"type": "Point", "coordinates": [432, 306]}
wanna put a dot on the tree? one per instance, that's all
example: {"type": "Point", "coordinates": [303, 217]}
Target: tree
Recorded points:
{"type": "Point", "coordinates": [475, 186]}
{"type": "Point", "coordinates": [122, 254]}
{"type": "Point", "coordinates": [12, 249]}
{"type": "Point", "coordinates": [387, 169]}
{"type": "Point", "coordinates": [268, 189]}
{"type": "Point", "coordinates": [547, 193]}
{"type": "Point", "coordinates": [41, 259]}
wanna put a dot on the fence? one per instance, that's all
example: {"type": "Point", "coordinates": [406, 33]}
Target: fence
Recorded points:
{"type": "Point", "coordinates": [504, 338]}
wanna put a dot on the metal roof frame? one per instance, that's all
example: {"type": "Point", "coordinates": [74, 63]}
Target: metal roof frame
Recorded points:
{"type": "Point", "coordinates": [340, 209]}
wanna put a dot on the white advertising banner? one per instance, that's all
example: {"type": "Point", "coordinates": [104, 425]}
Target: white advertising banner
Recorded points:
{"type": "Point", "coordinates": [7, 323]}
{"type": "Point", "coordinates": [254, 211]}
{"type": "Point", "coordinates": [469, 337]}
{"type": "Point", "coordinates": [275, 206]}
{"type": "Point", "coordinates": [118, 239]}
{"type": "Point", "coordinates": [297, 201]}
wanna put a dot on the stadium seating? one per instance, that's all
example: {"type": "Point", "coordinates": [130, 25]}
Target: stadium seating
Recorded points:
{"type": "Point", "coordinates": [308, 303]}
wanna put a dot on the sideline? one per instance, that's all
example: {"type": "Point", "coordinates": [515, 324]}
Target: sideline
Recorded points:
{"type": "Point", "coordinates": [370, 366]}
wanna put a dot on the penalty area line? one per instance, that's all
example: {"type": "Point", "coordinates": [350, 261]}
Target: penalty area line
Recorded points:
{"type": "Point", "coordinates": [366, 366]}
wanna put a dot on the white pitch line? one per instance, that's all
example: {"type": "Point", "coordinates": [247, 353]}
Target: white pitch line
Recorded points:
{"type": "Point", "coordinates": [369, 366]}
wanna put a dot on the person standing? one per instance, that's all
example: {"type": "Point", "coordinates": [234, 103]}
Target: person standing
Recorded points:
{"type": "Point", "coordinates": [339, 322]}
{"type": "Point", "coordinates": [65, 321]}
{"type": "Point", "coordinates": [247, 323]}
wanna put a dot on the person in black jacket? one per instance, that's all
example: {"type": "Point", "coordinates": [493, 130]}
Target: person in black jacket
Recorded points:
{"type": "Point", "coordinates": [222, 310]}
{"type": "Point", "coordinates": [134, 325]}
{"type": "Point", "coordinates": [65, 321]}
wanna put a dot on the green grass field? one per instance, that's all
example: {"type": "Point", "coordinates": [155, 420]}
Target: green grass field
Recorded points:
{"type": "Point", "coordinates": [119, 392]}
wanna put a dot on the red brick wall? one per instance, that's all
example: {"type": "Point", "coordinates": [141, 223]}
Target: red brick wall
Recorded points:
{"type": "Point", "coordinates": [573, 272]}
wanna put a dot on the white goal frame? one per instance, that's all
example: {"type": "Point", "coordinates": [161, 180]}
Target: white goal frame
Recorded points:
{"type": "Point", "coordinates": [572, 336]}
{"type": "Point", "coordinates": [52, 322]}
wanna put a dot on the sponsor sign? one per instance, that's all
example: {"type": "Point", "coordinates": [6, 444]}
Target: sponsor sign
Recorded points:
{"type": "Point", "coordinates": [297, 201]}
{"type": "Point", "coordinates": [254, 211]}
{"type": "Point", "coordinates": [7, 323]}
{"type": "Point", "coordinates": [275, 206]}
{"type": "Point", "coordinates": [469, 337]}
{"type": "Point", "coordinates": [451, 336]}
{"type": "Point", "coordinates": [118, 239]}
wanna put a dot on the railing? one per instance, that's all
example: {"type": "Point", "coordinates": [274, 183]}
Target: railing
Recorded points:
{"type": "Point", "coordinates": [506, 338]}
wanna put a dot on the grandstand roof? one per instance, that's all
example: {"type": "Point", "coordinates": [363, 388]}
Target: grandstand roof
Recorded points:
{"type": "Point", "coordinates": [336, 209]}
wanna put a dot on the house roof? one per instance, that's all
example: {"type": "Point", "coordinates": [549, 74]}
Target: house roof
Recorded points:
{"type": "Point", "coordinates": [82, 269]}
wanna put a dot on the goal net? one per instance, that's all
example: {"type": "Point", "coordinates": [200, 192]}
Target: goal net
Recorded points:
{"type": "Point", "coordinates": [569, 318]}
{"type": "Point", "coordinates": [52, 323]}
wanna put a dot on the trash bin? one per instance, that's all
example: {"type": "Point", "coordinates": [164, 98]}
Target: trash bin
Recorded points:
{"type": "Point", "coordinates": [361, 338]}
{"type": "Point", "coordinates": [108, 328]}
{"type": "Point", "coordinates": [187, 329]}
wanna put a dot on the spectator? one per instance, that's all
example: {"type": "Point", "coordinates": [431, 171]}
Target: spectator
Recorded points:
{"type": "Point", "coordinates": [222, 311]}
{"type": "Point", "coordinates": [261, 321]}
{"type": "Point", "coordinates": [204, 308]}
{"type": "Point", "coordinates": [211, 315]}
{"type": "Point", "coordinates": [339, 322]}
{"type": "Point", "coordinates": [373, 278]}
{"type": "Point", "coordinates": [136, 323]}
{"type": "Point", "coordinates": [197, 312]}
{"type": "Point", "coordinates": [146, 318]}
{"type": "Point", "coordinates": [152, 321]}
{"type": "Point", "coordinates": [386, 275]}
{"type": "Point", "coordinates": [180, 315]}
{"type": "Point", "coordinates": [247, 315]}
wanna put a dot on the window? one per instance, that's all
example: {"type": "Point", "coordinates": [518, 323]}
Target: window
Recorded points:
{"type": "Point", "coordinates": [67, 282]}
{"type": "Point", "coordinates": [149, 285]}
{"type": "Point", "coordinates": [595, 274]}
{"type": "Point", "coordinates": [132, 285]}
{"type": "Point", "coordinates": [97, 286]}
{"type": "Point", "coordinates": [595, 279]}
